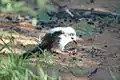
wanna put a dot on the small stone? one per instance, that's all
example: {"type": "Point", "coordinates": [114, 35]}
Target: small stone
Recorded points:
{"type": "Point", "coordinates": [65, 20]}
{"type": "Point", "coordinates": [83, 49]}
{"type": "Point", "coordinates": [80, 36]}
{"type": "Point", "coordinates": [92, 23]}
{"type": "Point", "coordinates": [100, 32]}
{"type": "Point", "coordinates": [105, 46]}
{"type": "Point", "coordinates": [61, 22]}
{"type": "Point", "coordinates": [70, 20]}
{"type": "Point", "coordinates": [92, 1]}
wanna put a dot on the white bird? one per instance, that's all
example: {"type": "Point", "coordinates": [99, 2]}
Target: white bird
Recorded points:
{"type": "Point", "coordinates": [56, 38]}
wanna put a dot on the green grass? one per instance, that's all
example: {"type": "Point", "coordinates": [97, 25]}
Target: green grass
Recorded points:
{"type": "Point", "coordinates": [84, 29]}
{"type": "Point", "coordinates": [13, 67]}
{"type": "Point", "coordinates": [21, 7]}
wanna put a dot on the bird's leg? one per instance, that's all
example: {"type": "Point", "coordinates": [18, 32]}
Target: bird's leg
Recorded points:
{"type": "Point", "coordinates": [57, 51]}
{"type": "Point", "coordinates": [66, 52]}
{"type": "Point", "coordinates": [54, 50]}
{"type": "Point", "coordinates": [73, 52]}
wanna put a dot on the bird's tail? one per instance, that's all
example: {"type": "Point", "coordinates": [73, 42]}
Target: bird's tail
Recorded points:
{"type": "Point", "coordinates": [28, 53]}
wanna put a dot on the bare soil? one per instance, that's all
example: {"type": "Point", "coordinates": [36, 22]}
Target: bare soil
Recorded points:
{"type": "Point", "coordinates": [103, 52]}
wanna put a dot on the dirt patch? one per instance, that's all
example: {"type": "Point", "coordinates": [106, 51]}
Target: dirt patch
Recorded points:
{"type": "Point", "coordinates": [102, 52]}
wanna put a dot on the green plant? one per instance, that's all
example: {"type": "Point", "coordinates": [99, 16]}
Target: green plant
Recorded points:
{"type": "Point", "coordinates": [14, 67]}
{"type": "Point", "coordinates": [82, 28]}
{"type": "Point", "coordinates": [9, 44]}
{"type": "Point", "coordinates": [77, 71]}
{"type": "Point", "coordinates": [108, 20]}
{"type": "Point", "coordinates": [14, 6]}
{"type": "Point", "coordinates": [45, 5]}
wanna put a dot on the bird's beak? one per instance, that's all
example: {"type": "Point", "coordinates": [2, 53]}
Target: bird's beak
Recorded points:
{"type": "Point", "coordinates": [74, 41]}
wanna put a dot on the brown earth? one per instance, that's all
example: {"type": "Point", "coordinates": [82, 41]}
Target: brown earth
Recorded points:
{"type": "Point", "coordinates": [103, 52]}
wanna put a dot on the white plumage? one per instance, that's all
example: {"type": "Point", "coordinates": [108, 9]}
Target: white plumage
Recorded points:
{"type": "Point", "coordinates": [68, 35]}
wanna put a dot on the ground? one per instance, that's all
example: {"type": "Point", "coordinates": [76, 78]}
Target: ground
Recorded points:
{"type": "Point", "coordinates": [101, 53]}
{"type": "Point", "coordinates": [101, 56]}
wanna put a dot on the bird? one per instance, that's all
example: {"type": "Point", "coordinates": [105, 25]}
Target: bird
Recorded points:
{"type": "Point", "coordinates": [55, 38]}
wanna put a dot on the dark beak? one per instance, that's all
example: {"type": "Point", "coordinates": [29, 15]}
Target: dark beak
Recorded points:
{"type": "Point", "coordinates": [74, 41]}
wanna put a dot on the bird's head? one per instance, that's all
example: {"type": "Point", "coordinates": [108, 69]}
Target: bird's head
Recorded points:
{"type": "Point", "coordinates": [69, 34]}
{"type": "Point", "coordinates": [66, 35]}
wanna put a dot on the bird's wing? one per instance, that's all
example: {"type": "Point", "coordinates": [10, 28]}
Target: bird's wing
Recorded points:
{"type": "Point", "coordinates": [49, 39]}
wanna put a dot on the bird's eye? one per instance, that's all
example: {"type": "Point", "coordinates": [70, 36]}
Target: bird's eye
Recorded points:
{"type": "Point", "coordinates": [71, 34]}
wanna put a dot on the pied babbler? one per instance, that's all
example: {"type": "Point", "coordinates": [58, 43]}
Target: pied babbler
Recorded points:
{"type": "Point", "coordinates": [55, 39]}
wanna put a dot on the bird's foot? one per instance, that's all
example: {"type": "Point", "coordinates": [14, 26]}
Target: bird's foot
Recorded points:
{"type": "Point", "coordinates": [66, 52]}
{"type": "Point", "coordinates": [73, 52]}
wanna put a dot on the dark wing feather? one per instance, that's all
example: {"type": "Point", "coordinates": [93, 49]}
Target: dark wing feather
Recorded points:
{"type": "Point", "coordinates": [49, 39]}
{"type": "Point", "coordinates": [45, 44]}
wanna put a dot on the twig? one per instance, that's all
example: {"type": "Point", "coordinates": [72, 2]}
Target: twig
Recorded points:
{"type": "Point", "coordinates": [5, 44]}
